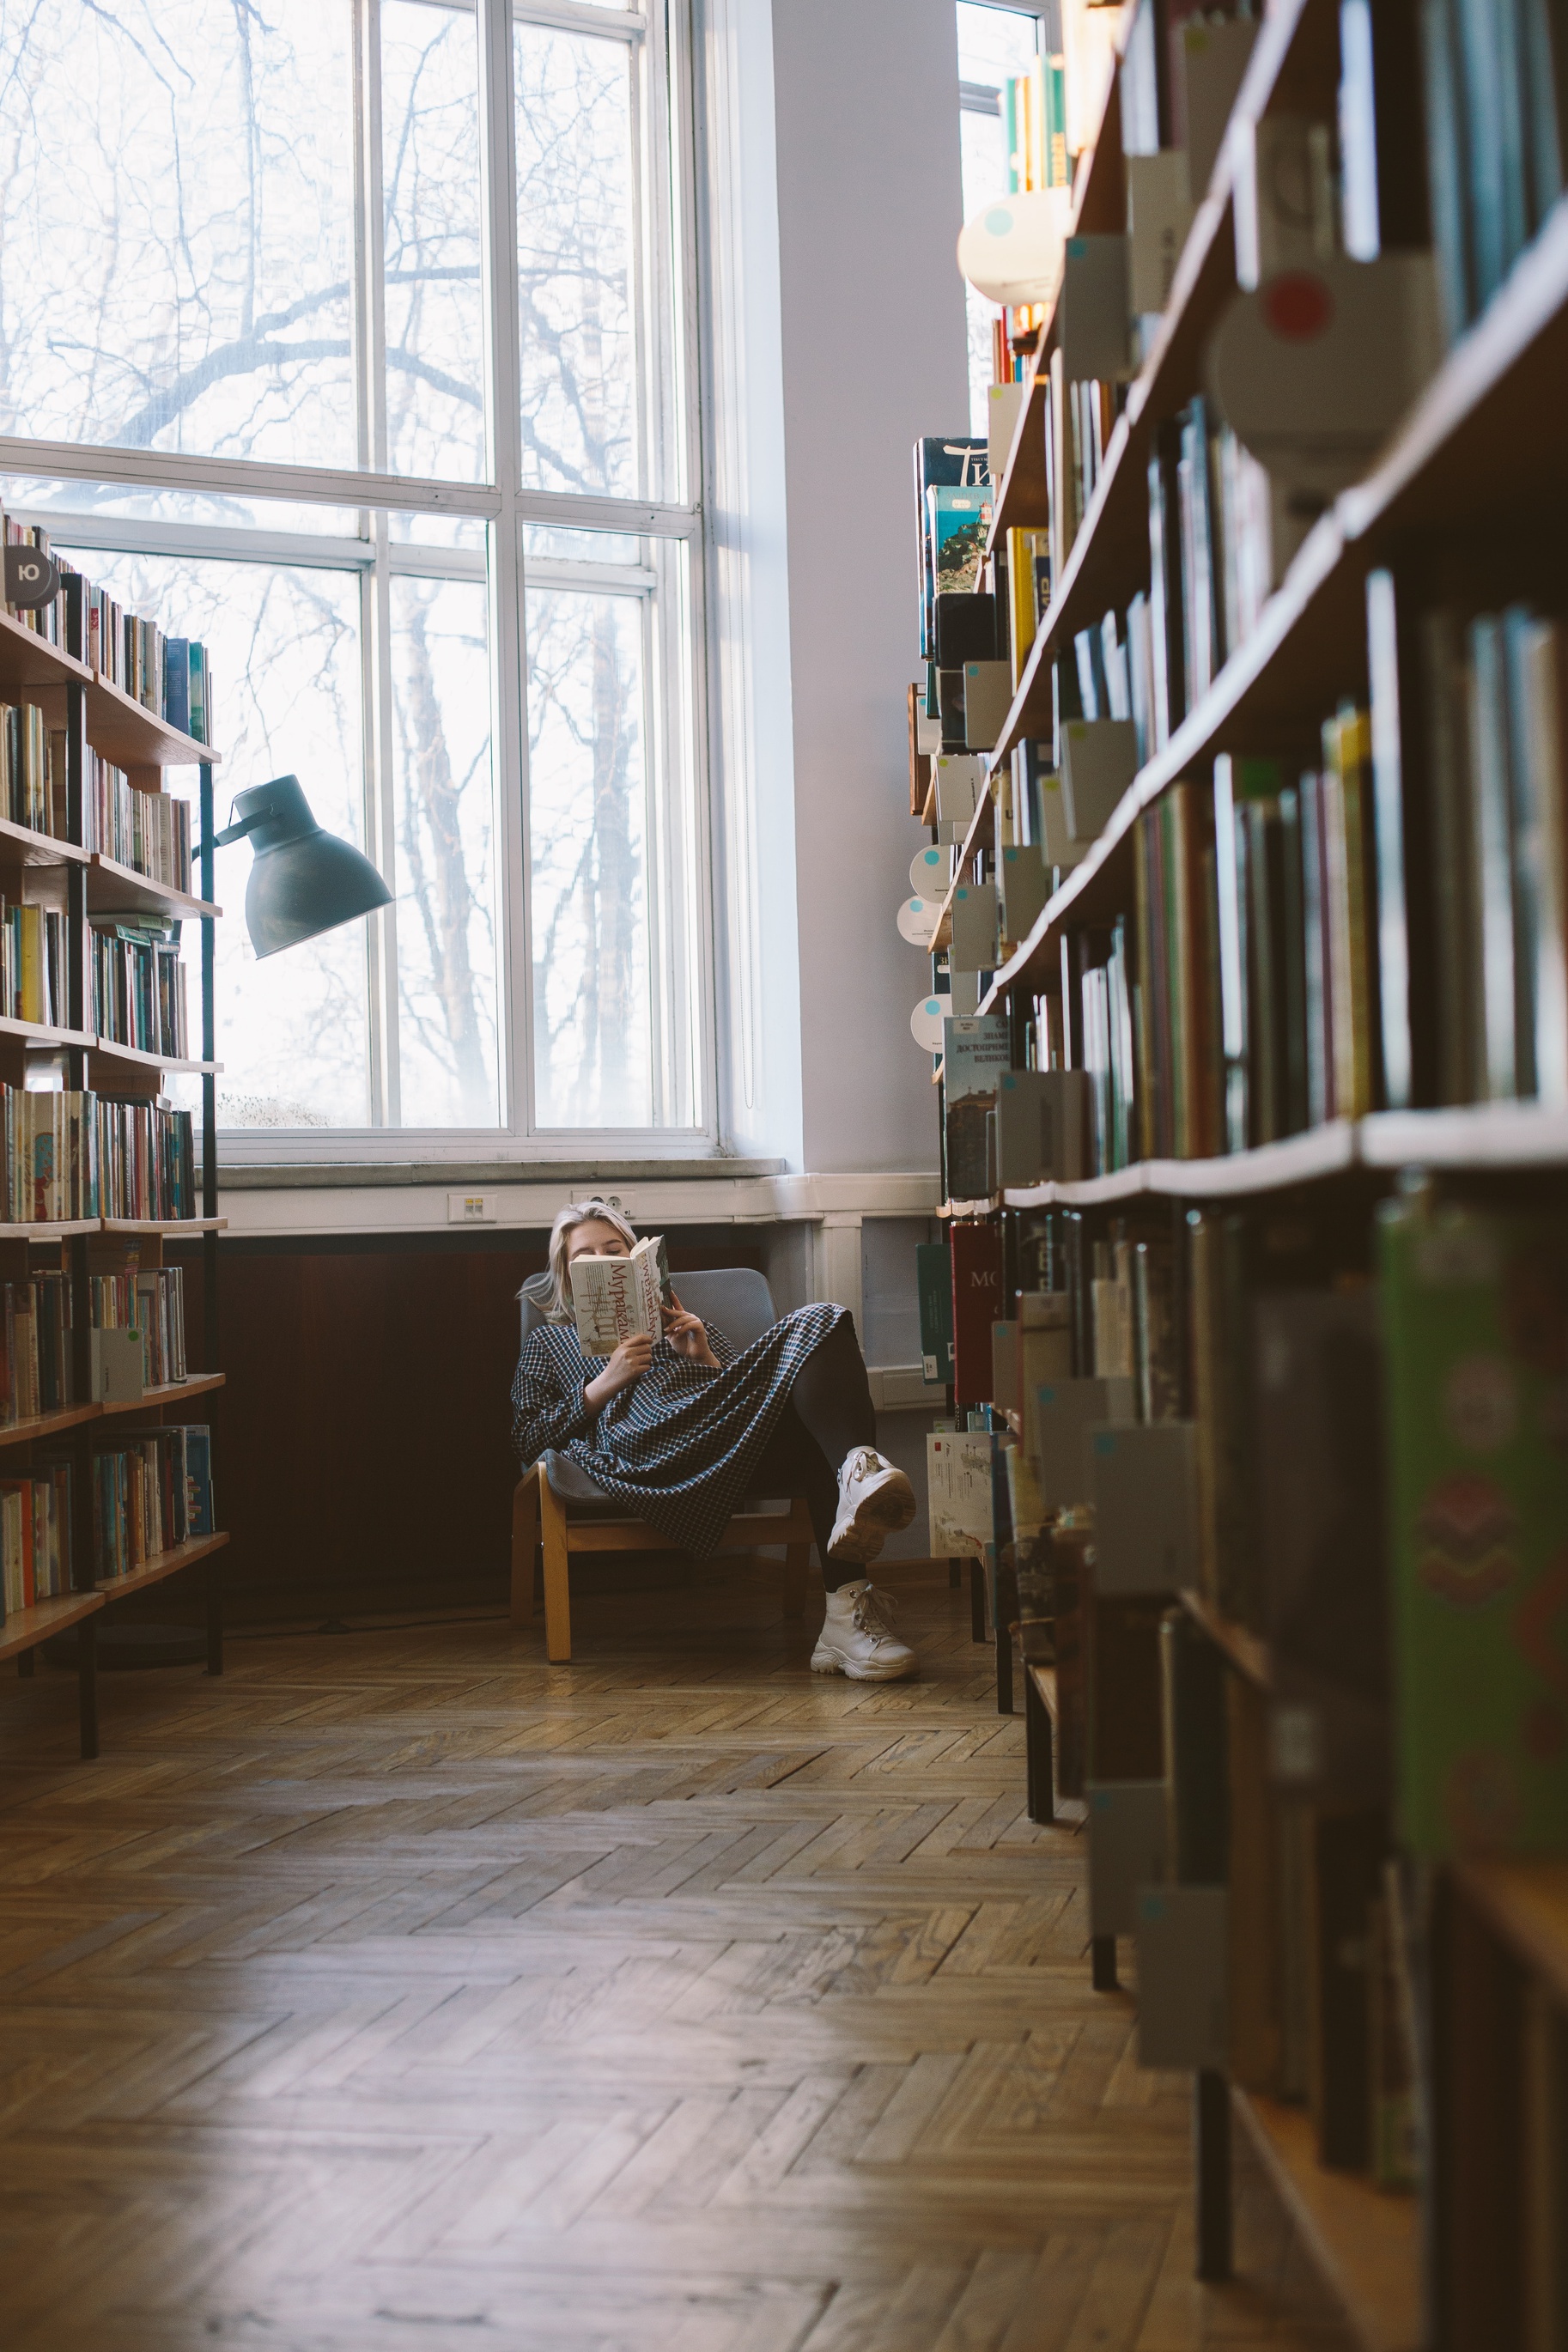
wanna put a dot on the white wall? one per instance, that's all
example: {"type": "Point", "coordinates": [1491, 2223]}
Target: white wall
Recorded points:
{"type": "Point", "coordinates": [847, 228]}
{"type": "Point", "coordinates": [866, 132]}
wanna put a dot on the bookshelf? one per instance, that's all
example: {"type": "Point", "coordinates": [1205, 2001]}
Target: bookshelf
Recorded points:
{"type": "Point", "coordinates": [76, 882]}
{"type": "Point", "coordinates": [1232, 1233]}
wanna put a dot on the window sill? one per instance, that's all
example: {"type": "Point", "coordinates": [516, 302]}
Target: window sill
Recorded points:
{"type": "Point", "coordinates": [460, 1175]}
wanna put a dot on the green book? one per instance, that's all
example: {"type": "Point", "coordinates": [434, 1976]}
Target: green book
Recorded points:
{"type": "Point", "coordinates": [1475, 1312]}
{"type": "Point", "coordinates": [933, 1281]}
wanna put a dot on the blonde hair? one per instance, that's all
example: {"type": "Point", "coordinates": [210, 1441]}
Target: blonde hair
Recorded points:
{"type": "Point", "coordinates": [552, 1291]}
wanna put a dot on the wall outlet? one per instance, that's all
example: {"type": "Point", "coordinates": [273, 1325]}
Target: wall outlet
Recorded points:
{"type": "Point", "coordinates": [470, 1208]}
{"type": "Point", "coordinates": [620, 1201]}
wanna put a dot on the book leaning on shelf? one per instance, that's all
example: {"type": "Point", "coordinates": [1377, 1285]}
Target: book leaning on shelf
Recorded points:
{"type": "Point", "coordinates": [615, 1298]}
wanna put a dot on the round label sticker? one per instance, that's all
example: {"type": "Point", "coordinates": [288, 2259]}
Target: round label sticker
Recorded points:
{"type": "Point", "coordinates": [931, 871]}
{"type": "Point", "coordinates": [918, 920]}
{"type": "Point", "coordinates": [926, 1019]}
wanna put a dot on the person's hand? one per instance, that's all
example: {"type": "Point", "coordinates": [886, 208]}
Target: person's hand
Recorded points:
{"type": "Point", "coordinates": [630, 1360]}
{"type": "Point", "coordinates": [688, 1334]}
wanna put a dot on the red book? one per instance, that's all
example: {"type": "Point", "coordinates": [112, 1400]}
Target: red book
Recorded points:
{"type": "Point", "coordinates": [976, 1304]}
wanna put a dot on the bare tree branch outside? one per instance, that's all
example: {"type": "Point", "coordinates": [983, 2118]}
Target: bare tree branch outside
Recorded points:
{"type": "Point", "coordinates": [179, 272]}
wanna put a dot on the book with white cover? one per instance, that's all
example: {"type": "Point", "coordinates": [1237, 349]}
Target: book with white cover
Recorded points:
{"type": "Point", "coordinates": [958, 1490]}
{"type": "Point", "coordinates": [614, 1298]}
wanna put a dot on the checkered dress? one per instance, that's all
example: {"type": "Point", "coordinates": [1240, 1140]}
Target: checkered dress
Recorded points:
{"type": "Point", "coordinates": [677, 1447]}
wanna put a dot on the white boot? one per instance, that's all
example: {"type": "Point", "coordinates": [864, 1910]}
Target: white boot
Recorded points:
{"type": "Point", "coordinates": [875, 1500]}
{"type": "Point", "coordinates": [858, 1637]}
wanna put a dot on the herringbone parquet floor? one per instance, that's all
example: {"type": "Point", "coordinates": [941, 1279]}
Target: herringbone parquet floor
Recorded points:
{"type": "Point", "coordinates": [401, 1990]}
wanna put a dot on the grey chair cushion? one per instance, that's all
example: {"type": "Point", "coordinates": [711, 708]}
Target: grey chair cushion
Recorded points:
{"type": "Point", "coordinates": [737, 1298]}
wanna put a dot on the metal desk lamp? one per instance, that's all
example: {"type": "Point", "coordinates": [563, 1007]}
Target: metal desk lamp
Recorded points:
{"type": "Point", "coordinates": [304, 881]}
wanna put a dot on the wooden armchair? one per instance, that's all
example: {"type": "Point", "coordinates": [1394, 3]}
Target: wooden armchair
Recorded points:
{"type": "Point", "coordinates": [558, 1511]}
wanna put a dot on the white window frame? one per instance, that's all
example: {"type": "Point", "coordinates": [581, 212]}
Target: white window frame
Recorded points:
{"type": "Point", "coordinates": [676, 689]}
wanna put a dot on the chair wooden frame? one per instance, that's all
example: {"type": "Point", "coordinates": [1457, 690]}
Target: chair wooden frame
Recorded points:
{"type": "Point", "coordinates": [541, 1520]}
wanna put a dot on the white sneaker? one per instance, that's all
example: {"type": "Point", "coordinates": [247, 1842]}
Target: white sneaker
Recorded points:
{"type": "Point", "coordinates": [858, 1637]}
{"type": "Point", "coordinates": [875, 1500]}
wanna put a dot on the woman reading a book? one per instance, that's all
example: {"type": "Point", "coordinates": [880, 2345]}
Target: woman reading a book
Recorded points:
{"type": "Point", "coordinates": [682, 1427]}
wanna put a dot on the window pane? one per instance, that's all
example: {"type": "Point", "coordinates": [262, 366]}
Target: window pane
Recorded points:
{"type": "Point", "coordinates": [430, 176]}
{"type": "Point", "coordinates": [283, 645]}
{"type": "Point", "coordinates": [68, 505]}
{"type": "Point", "coordinates": [446, 868]}
{"type": "Point", "coordinates": [982, 147]}
{"type": "Point", "coordinates": [178, 251]}
{"type": "Point", "coordinates": [576, 246]}
{"type": "Point", "coordinates": [994, 42]}
{"type": "Point", "coordinates": [593, 1040]}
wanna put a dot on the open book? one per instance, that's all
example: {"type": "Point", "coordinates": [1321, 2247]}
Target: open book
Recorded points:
{"type": "Point", "coordinates": [613, 1297]}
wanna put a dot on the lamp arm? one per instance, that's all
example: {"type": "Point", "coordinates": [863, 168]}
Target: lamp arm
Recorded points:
{"type": "Point", "coordinates": [230, 832]}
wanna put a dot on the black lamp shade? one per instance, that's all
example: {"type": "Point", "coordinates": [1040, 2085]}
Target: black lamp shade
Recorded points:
{"type": "Point", "coordinates": [304, 881]}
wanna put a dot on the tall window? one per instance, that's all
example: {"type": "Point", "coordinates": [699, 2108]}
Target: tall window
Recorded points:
{"type": "Point", "coordinates": [994, 42]}
{"type": "Point", "coordinates": [351, 337]}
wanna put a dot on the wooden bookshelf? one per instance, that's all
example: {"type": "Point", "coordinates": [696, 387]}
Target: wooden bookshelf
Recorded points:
{"type": "Point", "coordinates": [109, 1049]}
{"type": "Point", "coordinates": [110, 886]}
{"type": "Point", "coordinates": [1365, 2242]}
{"type": "Point", "coordinates": [1462, 506]}
{"type": "Point", "coordinates": [161, 1567]}
{"type": "Point", "coordinates": [1526, 1904]}
{"type": "Point", "coordinates": [1310, 644]}
{"type": "Point", "coordinates": [172, 1226]}
{"type": "Point", "coordinates": [24, 1629]}
{"type": "Point", "coordinates": [125, 731]}
{"type": "Point", "coordinates": [45, 1425]}
{"type": "Point", "coordinates": [1248, 1654]}
{"type": "Point", "coordinates": [94, 712]}
{"type": "Point", "coordinates": [1477, 1136]}
{"type": "Point", "coordinates": [170, 1392]}
{"type": "Point", "coordinates": [23, 845]}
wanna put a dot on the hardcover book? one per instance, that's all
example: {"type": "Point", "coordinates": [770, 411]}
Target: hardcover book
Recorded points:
{"type": "Point", "coordinates": [976, 1304]}
{"type": "Point", "coordinates": [615, 1298]}
{"type": "Point", "coordinates": [1476, 1332]}
{"type": "Point", "coordinates": [957, 1485]}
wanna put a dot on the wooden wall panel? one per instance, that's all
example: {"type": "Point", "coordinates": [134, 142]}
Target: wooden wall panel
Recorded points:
{"type": "Point", "coordinates": [364, 1459]}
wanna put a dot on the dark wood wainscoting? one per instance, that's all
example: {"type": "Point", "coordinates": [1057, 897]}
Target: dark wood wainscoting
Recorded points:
{"type": "Point", "coordinates": [363, 1453]}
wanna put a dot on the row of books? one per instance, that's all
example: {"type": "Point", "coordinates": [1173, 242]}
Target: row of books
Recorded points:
{"type": "Point", "coordinates": [1325, 1494]}
{"type": "Point", "coordinates": [146, 1166]}
{"type": "Point", "coordinates": [33, 964]}
{"type": "Point", "coordinates": [148, 831]}
{"type": "Point", "coordinates": [34, 759]}
{"type": "Point", "coordinates": [149, 1301]}
{"type": "Point", "coordinates": [1496, 106]}
{"type": "Point", "coordinates": [69, 1155]}
{"type": "Point", "coordinates": [168, 676]}
{"type": "Point", "coordinates": [37, 1373]}
{"type": "Point", "coordinates": [1315, 1412]}
{"type": "Point", "coordinates": [35, 1537]}
{"type": "Point", "coordinates": [136, 980]}
{"type": "Point", "coordinates": [150, 1494]}
{"type": "Point", "coordinates": [1382, 928]}
{"type": "Point", "coordinates": [139, 987]}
